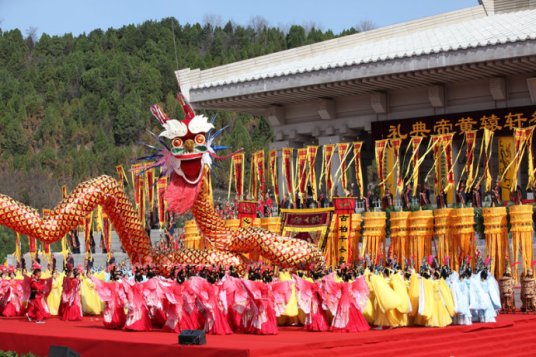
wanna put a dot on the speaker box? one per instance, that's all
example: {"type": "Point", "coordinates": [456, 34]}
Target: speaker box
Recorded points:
{"type": "Point", "coordinates": [61, 351]}
{"type": "Point", "coordinates": [192, 337]}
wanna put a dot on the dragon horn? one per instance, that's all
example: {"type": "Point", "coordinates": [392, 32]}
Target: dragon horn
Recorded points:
{"type": "Point", "coordinates": [159, 114]}
{"type": "Point", "coordinates": [186, 107]}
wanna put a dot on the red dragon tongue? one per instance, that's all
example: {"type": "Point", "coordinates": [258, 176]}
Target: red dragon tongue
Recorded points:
{"type": "Point", "coordinates": [191, 169]}
{"type": "Point", "coordinates": [180, 195]}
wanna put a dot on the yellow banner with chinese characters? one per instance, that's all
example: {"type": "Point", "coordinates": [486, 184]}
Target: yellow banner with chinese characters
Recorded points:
{"type": "Point", "coordinates": [380, 146]}
{"type": "Point", "coordinates": [311, 159]}
{"type": "Point", "coordinates": [488, 149]}
{"type": "Point", "coordinates": [358, 171]}
{"type": "Point", "coordinates": [342, 148]}
{"type": "Point", "coordinates": [416, 144]}
{"type": "Point", "coordinates": [344, 222]}
{"type": "Point", "coordinates": [506, 154]}
{"type": "Point", "coordinates": [449, 169]}
{"type": "Point", "coordinates": [470, 141]}
{"type": "Point", "coordinates": [328, 151]}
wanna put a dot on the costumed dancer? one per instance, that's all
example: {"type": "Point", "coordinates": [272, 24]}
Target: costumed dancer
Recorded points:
{"type": "Point", "coordinates": [137, 311]}
{"type": "Point", "coordinates": [310, 302]}
{"type": "Point", "coordinates": [71, 306]}
{"type": "Point", "coordinates": [11, 294]}
{"type": "Point", "coordinates": [37, 289]}
{"type": "Point", "coordinates": [110, 293]}
{"type": "Point", "coordinates": [346, 300]}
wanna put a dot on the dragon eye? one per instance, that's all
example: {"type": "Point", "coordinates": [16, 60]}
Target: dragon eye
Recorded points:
{"type": "Point", "coordinates": [200, 139]}
{"type": "Point", "coordinates": [177, 142]}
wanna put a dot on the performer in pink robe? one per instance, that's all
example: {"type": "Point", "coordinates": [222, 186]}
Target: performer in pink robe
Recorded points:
{"type": "Point", "coordinates": [346, 301]}
{"type": "Point", "coordinates": [138, 313]}
{"type": "Point", "coordinates": [71, 306]}
{"type": "Point", "coordinates": [38, 292]}
{"type": "Point", "coordinates": [11, 295]}
{"type": "Point", "coordinates": [310, 301]}
{"type": "Point", "coordinates": [210, 305]}
{"type": "Point", "coordinates": [114, 311]}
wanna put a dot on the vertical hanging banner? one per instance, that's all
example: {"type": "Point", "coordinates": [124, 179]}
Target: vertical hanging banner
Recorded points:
{"type": "Point", "coordinates": [470, 140]}
{"type": "Point", "coordinates": [488, 149]}
{"type": "Point", "coordinates": [311, 159]}
{"type": "Point", "coordinates": [287, 172]}
{"type": "Point", "coordinates": [328, 157]}
{"type": "Point", "coordinates": [272, 157]}
{"type": "Point", "coordinates": [342, 148]}
{"type": "Point", "coordinates": [395, 144]}
{"type": "Point", "coordinates": [301, 168]}
{"type": "Point", "coordinates": [519, 140]}
{"type": "Point", "coordinates": [88, 228]}
{"type": "Point", "coordinates": [253, 177]}
{"type": "Point", "coordinates": [141, 198]}
{"type": "Point", "coordinates": [344, 208]}
{"type": "Point", "coordinates": [122, 175]}
{"type": "Point", "coordinates": [134, 169]}
{"type": "Point", "coordinates": [446, 140]}
{"type": "Point", "coordinates": [380, 146]}
{"type": "Point", "coordinates": [150, 183]}
{"type": "Point", "coordinates": [415, 144]}
{"type": "Point", "coordinates": [161, 186]}
{"type": "Point", "coordinates": [531, 173]}
{"type": "Point", "coordinates": [247, 212]}
{"type": "Point", "coordinates": [358, 172]}
{"type": "Point", "coordinates": [17, 253]}
{"type": "Point", "coordinates": [506, 155]}
{"type": "Point", "coordinates": [438, 185]}
{"type": "Point", "coordinates": [107, 234]}
{"type": "Point", "coordinates": [238, 168]}
{"type": "Point", "coordinates": [260, 169]}
{"type": "Point", "coordinates": [32, 247]}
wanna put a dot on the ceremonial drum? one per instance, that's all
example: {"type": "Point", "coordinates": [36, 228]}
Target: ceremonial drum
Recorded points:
{"type": "Point", "coordinates": [421, 234]}
{"type": "Point", "coordinates": [496, 233]}
{"type": "Point", "coordinates": [374, 234]}
{"type": "Point", "coordinates": [192, 237]}
{"type": "Point", "coordinates": [463, 220]}
{"type": "Point", "coordinates": [442, 224]}
{"type": "Point", "coordinates": [521, 228]}
{"type": "Point", "coordinates": [400, 236]}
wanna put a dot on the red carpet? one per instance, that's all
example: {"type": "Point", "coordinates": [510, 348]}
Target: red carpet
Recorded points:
{"type": "Point", "coordinates": [512, 335]}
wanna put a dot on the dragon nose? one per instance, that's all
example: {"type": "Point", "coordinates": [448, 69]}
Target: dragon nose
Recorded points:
{"type": "Point", "coordinates": [189, 145]}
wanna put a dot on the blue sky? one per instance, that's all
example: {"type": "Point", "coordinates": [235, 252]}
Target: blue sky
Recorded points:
{"type": "Point", "coordinates": [57, 17]}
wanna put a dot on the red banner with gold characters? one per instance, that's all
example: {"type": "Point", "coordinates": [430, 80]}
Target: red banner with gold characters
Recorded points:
{"type": "Point", "coordinates": [141, 198]}
{"type": "Point", "coordinates": [136, 178]}
{"type": "Point", "coordinates": [470, 140]}
{"type": "Point", "coordinates": [161, 186]}
{"type": "Point", "coordinates": [395, 144]}
{"type": "Point", "coordinates": [344, 208]}
{"type": "Point", "coordinates": [342, 148]}
{"type": "Point", "coordinates": [149, 180]}
{"type": "Point", "coordinates": [415, 144]}
{"type": "Point", "coordinates": [447, 149]}
{"type": "Point", "coordinates": [301, 168]}
{"type": "Point", "coordinates": [247, 212]}
{"type": "Point", "coordinates": [436, 144]}
{"type": "Point", "coordinates": [287, 172]}
{"type": "Point", "coordinates": [358, 171]}
{"type": "Point", "coordinates": [380, 146]}
{"type": "Point", "coordinates": [272, 157]}
{"type": "Point", "coordinates": [328, 157]}
{"type": "Point", "coordinates": [260, 170]}
{"type": "Point", "coordinates": [253, 177]}
{"type": "Point", "coordinates": [311, 159]}
{"type": "Point", "coordinates": [238, 168]}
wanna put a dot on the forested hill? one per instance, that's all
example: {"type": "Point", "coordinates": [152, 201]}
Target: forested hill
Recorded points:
{"type": "Point", "coordinates": [71, 108]}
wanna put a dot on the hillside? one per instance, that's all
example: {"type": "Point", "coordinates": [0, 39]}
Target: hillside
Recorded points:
{"type": "Point", "coordinates": [73, 107]}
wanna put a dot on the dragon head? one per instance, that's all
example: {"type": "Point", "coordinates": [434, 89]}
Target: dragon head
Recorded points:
{"type": "Point", "coordinates": [190, 146]}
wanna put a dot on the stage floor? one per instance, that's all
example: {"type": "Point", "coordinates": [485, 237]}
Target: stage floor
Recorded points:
{"type": "Point", "coordinates": [512, 335]}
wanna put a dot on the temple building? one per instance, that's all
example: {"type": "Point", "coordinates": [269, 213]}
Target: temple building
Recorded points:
{"type": "Point", "coordinates": [465, 70]}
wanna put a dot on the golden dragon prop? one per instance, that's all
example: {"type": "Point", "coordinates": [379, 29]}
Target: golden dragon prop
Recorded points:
{"type": "Point", "coordinates": [188, 164]}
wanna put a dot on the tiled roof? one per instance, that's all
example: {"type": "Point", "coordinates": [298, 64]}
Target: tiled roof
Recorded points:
{"type": "Point", "coordinates": [471, 33]}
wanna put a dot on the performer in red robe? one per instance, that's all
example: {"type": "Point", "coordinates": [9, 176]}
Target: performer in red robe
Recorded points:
{"type": "Point", "coordinates": [39, 290]}
{"type": "Point", "coordinates": [71, 306]}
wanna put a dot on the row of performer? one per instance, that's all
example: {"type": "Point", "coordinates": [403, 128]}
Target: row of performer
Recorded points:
{"type": "Point", "coordinates": [218, 300]}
